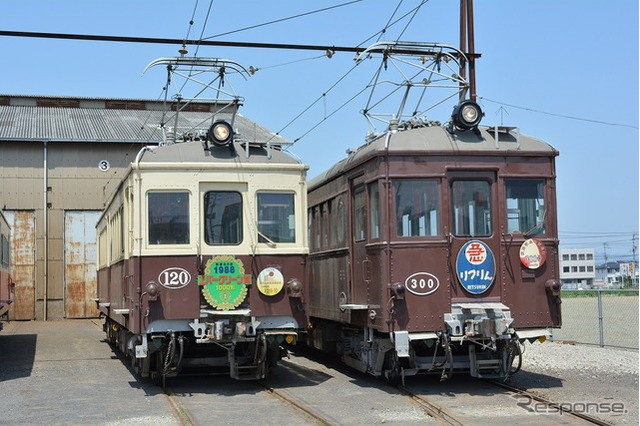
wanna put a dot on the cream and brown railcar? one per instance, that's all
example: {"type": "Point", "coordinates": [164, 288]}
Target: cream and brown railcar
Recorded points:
{"type": "Point", "coordinates": [201, 257]}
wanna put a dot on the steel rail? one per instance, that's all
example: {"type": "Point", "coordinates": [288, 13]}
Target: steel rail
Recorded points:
{"type": "Point", "coordinates": [554, 405]}
{"type": "Point", "coordinates": [296, 404]}
{"type": "Point", "coordinates": [434, 410]}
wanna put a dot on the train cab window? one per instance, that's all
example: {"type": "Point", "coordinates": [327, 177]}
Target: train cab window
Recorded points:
{"type": "Point", "coordinates": [417, 207]}
{"type": "Point", "coordinates": [374, 211]}
{"type": "Point", "coordinates": [525, 206]}
{"type": "Point", "coordinates": [168, 217]}
{"type": "Point", "coordinates": [276, 218]}
{"type": "Point", "coordinates": [222, 217]}
{"type": "Point", "coordinates": [359, 213]}
{"type": "Point", "coordinates": [471, 208]}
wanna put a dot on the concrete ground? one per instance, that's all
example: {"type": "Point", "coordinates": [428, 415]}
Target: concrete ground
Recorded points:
{"type": "Point", "coordinates": [62, 372]}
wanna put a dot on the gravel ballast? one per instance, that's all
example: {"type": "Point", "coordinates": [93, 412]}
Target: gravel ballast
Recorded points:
{"type": "Point", "coordinates": [602, 382]}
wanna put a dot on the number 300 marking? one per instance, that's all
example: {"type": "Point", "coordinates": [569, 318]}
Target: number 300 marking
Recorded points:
{"type": "Point", "coordinates": [422, 283]}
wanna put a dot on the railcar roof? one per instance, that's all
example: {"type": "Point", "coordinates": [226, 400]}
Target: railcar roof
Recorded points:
{"type": "Point", "coordinates": [437, 140]}
{"type": "Point", "coordinates": [194, 152]}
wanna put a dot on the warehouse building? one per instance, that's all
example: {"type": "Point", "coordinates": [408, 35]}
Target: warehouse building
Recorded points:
{"type": "Point", "coordinates": [60, 160]}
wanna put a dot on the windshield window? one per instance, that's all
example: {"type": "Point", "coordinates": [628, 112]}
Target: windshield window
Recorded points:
{"type": "Point", "coordinates": [222, 217]}
{"type": "Point", "coordinates": [525, 206]}
{"type": "Point", "coordinates": [276, 218]}
{"type": "Point", "coordinates": [471, 208]}
{"type": "Point", "coordinates": [417, 207]}
{"type": "Point", "coordinates": [168, 217]}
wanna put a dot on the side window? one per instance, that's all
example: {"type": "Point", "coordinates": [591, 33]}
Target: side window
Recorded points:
{"type": "Point", "coordinates": [339, 222]}
{"type": "Point", "coordinates": [103, 258]}
{"type": "Point", "coordinates": [374, 212]}
{"type": "Point", "coordinates": [310, 229]}
{"type": "Point", "coordinates": [316, 228]}
{"type": "Point", "coordinates": [471, 208]}
{"type": "Point", "coordinates": [168, 216]}
{"type": "Point", "coordinates": [325, 224]}
{"type": "Point", "coordinates": [359, 213]}
{"type": "Point", "coordinates": [417, 207]}
{"type": "Point", "coordinates": [525, 206]}
{"type": "Point", "coordinates": [4, 253]}
{"type": "Point", "coordinates": [222, 217]}
{"type": "Point", "coordinates": [276, 217]}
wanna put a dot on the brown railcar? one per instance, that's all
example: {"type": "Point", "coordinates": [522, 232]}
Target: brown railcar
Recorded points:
{"type": "Point", "coordinates": [201, 257]}
{"type": "Point", "coordinates": [435, 249]}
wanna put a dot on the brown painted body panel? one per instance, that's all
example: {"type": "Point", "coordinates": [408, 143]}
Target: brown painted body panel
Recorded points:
{"type": "Point", "coordinates": [373, 266]}
{"type": "Point", "coordinates": [127, 290]}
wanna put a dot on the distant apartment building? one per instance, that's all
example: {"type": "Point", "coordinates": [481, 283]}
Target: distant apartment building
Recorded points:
{"type": "Point", "coordinates": [577, 269]}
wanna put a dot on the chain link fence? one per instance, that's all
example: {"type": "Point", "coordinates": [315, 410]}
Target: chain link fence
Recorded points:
{"type": "Point", "coordinates": [600, 317]}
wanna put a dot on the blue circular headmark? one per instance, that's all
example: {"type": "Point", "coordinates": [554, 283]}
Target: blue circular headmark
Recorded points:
{"type": "Point", "coordinates": [475, 267]}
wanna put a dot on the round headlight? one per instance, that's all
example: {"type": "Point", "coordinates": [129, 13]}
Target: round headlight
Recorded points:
{"type": "Point", "coordinates": [220, 133]}
{"type": "Point", "coordinates": [152, 289]}
{"type": "Point", "coordinates": [295, 286]}
{"type": "Point", "coordinates": [466, 115]}
{"type": "Point", "coordinates": [470, 113]}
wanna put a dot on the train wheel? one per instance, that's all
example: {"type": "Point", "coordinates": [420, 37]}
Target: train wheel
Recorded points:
{"type": "Point", "coordinates": [392, 368]}
{"type": "Point", "coordinates": [274, 354]}
{"type": "Point", "coordinates": [158, 375]}
{"type": "Point", "coordinates": [515, 356]}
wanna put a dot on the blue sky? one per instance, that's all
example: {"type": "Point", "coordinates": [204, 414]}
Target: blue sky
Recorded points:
{"type": "Point", "coordinates": [563, 71]}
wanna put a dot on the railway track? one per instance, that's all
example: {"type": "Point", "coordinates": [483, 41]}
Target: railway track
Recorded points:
{"type": "Point", "coordinates": [471, 401]}
{"type": "Point", "coordinates": [318, 418]}
{"type": "Point", "coordinates": [318, 391]}
{"type": "Point", "coordinates": [555, 406]}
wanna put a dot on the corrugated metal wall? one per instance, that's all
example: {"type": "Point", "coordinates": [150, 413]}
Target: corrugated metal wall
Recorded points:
{"type": "Point", "coordinates": [23, 263]}
{"type": "Point", "coordinates": [75, 185]}
{"type": "Point", "coordinates": [80, 263]}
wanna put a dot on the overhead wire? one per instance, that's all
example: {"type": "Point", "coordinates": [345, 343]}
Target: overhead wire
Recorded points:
{"type": "Point", "coordinates": [163, 94]}
{"type": "Point", "coordinates": [282, 19]}
{"type": "Point", "coordinates": [390, 22]}
{"type": "Point", "coordinates": [193, 15]}
{"type": "Point", "coordinates": [607, 123]}
{"type": "Point", "coordinates": [415, 12]}
{"type": "Point", "coordinates": [609, 239]}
